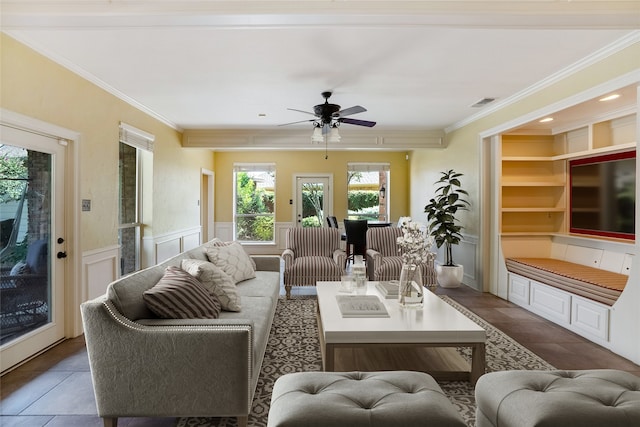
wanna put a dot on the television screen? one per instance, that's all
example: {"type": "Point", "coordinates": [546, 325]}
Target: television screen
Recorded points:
{"type": "Point", "coordinates": [603, 195]}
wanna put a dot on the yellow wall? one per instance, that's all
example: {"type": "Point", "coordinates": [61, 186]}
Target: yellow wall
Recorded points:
{"type": "Point", "coordinates": [35, 86]}
{"type": "Point", "coordinates": [289, 163]}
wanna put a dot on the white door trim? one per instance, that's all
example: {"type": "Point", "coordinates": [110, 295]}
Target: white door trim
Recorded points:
{"type": "Point", "coordinates": [75, 291]}
{"type": "Point", "coordinates": [328, 201]}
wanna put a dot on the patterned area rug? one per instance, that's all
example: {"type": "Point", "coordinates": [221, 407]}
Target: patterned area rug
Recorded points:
{"type": "Point", "coordinates": [293, 347]}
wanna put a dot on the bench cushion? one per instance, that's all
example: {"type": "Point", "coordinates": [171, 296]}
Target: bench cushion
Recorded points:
{"type": "Point", "coordinates": [594, 283]}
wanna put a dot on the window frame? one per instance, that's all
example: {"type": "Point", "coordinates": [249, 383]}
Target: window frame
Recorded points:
{"type": "Point", "coordinates": [253, 167]}
{"type": "Point", "coordinates": [142, 142]}
{"type": "Point", "coordinates": [385, 168]}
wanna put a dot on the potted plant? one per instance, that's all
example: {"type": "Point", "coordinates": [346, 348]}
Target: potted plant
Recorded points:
{"type": "Point", "coordinates": [443, 224]}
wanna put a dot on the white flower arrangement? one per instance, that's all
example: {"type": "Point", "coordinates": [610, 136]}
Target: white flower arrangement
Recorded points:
{"type": "Point", "coordinates": [415, 244]}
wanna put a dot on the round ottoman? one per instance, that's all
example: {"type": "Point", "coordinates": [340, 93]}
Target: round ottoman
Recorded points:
{"type": "Point", "coordinates": [594, 398]}
{"type": "Point", "coordinates": [359, 399]}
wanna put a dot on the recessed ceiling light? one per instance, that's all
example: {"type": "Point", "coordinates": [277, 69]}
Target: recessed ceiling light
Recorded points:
{"type": "Point", "coordinates": [546, 120]}
{"type": "Point", "coordinates": [610, 97]}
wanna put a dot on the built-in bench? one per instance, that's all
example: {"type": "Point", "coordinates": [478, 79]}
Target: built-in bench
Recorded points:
{"type": "Point", "coordinates": [589, 282]}
{"type": "Point", "coordinates": [576, 292]}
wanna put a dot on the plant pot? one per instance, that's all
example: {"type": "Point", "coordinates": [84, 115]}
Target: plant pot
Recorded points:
{"type": "Point", "coordinates": [449, 276]}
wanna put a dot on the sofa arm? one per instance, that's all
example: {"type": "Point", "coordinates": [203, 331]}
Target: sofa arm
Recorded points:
{"type": "Point", "coordinates": [267, 262]}
{"type": "Point", "coordinates": [205, 369]}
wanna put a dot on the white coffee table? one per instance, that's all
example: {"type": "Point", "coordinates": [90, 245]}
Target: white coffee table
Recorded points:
{"type": "Point", "coordinates": [436, 324]}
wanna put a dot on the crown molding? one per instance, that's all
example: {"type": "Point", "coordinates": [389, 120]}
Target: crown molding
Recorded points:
{"type": "Point", "coordinates": [622, 43]}
{"type": "Point", "coordinates": [488, 14]}
{"type": "Point", "coordinates": [256, 139]}
{"type": "Point", "coordinates": [93, 79]}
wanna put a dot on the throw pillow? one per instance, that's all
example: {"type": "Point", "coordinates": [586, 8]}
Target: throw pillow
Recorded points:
{"type": "Point", "coordinates": [217, 242]}
{"type": "Point", "coordinates": [233, 260]}
{"type": "Point", "coordinates": [216, 281]}
{"type": "Point", "coordinates": [179, 295]}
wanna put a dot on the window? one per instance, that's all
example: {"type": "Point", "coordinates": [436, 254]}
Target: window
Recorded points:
{"type": "Point", "coordinates": [368, 191]}
{"type": "Point", "coordinates": [254, 207]}
{"type": "Point", "coordinates": [134, 144]}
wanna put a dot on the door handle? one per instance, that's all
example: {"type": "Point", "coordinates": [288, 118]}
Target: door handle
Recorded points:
{"type": "Point", "coordinates": [61, 255]}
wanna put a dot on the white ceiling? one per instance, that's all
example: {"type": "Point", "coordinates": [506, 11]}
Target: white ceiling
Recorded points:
{"type": "Point", "coordinates": [416, 65]}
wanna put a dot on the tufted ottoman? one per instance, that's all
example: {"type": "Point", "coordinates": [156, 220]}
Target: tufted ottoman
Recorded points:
{"type": "Point", "coordinates": [594, 398]}
{"type": "Point", "coordinates": [358, 399]}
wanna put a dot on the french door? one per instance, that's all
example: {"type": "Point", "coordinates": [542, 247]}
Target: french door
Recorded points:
{"type": "Point", "coordinates": [313, 200]}
{"type": "Point", "coordinates": [32, 246]}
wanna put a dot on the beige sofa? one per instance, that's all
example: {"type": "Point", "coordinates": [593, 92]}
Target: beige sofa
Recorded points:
{"type": "Point", "coordinates": [149, 367]}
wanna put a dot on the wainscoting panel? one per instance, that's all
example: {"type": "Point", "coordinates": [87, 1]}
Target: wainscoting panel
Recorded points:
{"type": "Point", "coordinates": [157, 249]}
{"type": "Point", "coordinates": [465, 253]}
{"type": "Point", "coordinates": [99, 268]}
{"type": "Point", "coordinates": [224, 231]}
{"type": "Point", "coordinates": [168, 248]}
{"type": "Point", "coordinates": [190, 241]}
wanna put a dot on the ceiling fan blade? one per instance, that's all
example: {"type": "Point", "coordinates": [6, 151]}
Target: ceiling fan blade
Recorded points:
{"type": "Point", "coordinates": [352, 110]}
{"type": "Point", "coordinates": [302, 111]}
{"type": "Point", "coordinates": [300, 121]}
{"type": "Point", "coordinates": [357, 122]}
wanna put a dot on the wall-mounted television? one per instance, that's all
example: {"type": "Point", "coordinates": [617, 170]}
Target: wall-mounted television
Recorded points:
{"type": "Point", "coordinates": [603, 195]}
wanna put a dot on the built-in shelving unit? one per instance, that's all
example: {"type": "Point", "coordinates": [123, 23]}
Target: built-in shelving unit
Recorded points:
{"type": "Point", "coordinates": [532, 185]}
{"type": "Point", "coordinates": [534, 177]}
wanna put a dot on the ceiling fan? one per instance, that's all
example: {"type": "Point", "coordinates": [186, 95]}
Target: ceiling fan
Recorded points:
{"type": "Point", "coordinates": [331, 116]}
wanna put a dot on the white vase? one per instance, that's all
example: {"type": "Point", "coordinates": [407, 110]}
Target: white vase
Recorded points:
{"type": "Point", "coordinates": [410, 292]}
{"type": "Point", "coordinates": [449, 276]}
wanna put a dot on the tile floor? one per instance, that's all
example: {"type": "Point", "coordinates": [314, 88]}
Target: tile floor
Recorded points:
{"type": "Point", "coordinates": [54, 389]}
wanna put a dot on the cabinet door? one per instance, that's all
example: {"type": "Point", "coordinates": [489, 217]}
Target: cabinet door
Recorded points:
{"type": "Point", "coordinates": [518, 290]}
{"type": "Point", "coordinates": [590, 318]}
{"type": "Point", "coordinates": [550, 303]}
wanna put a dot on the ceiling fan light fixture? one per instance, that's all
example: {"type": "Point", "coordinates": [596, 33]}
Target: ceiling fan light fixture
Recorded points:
{"type": "Point", "coordinates": [334, 135]}
{"type": "Point", "coordinates": [317, 136]}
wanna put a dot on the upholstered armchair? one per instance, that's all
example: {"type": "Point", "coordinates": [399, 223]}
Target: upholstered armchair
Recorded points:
{"type": "Point", "coordinates": [383, 257]}
{"type": "Point", "coordinates": [312, 255]}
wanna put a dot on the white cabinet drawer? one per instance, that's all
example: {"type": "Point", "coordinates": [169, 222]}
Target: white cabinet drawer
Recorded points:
{"type": "Point", "coordinates": [550, 303]}
{"type": "Point", "coordinates": [590, 318]}
{"type": "Point", "coordinates": [518, 290]}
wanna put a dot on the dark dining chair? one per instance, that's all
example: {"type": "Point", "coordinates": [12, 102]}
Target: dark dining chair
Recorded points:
{"type": "Point", "coordinates": [333, 223]}
{"type": "Point", "coordinates": [356, 232]}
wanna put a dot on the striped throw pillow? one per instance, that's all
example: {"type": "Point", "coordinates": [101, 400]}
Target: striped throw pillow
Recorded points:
{"type": "Point", "coordinates": [179, 295]}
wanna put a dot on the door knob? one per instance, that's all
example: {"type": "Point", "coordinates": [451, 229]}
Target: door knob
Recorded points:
{"type": "Point", "coordinates": [61, 255]}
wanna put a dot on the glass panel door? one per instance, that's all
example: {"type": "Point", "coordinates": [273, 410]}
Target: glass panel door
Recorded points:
{"type": "Point", "coordinates": [31, 244]}
{"type": "Point", "coordinates": [313, 201]}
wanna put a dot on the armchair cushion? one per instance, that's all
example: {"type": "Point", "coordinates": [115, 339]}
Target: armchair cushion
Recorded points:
{"type": "Point", "coordinates": [216, 281]}
{"type": "Point", "coordinates": [179, 295]}
{"type": "Point", "coordinates": [233, 260]}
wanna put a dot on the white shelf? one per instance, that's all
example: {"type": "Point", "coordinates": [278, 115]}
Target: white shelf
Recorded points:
{"type": "Point", "coordinates": [533, 183]}
{"type": "Point", "coordinates": [532, 209]}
